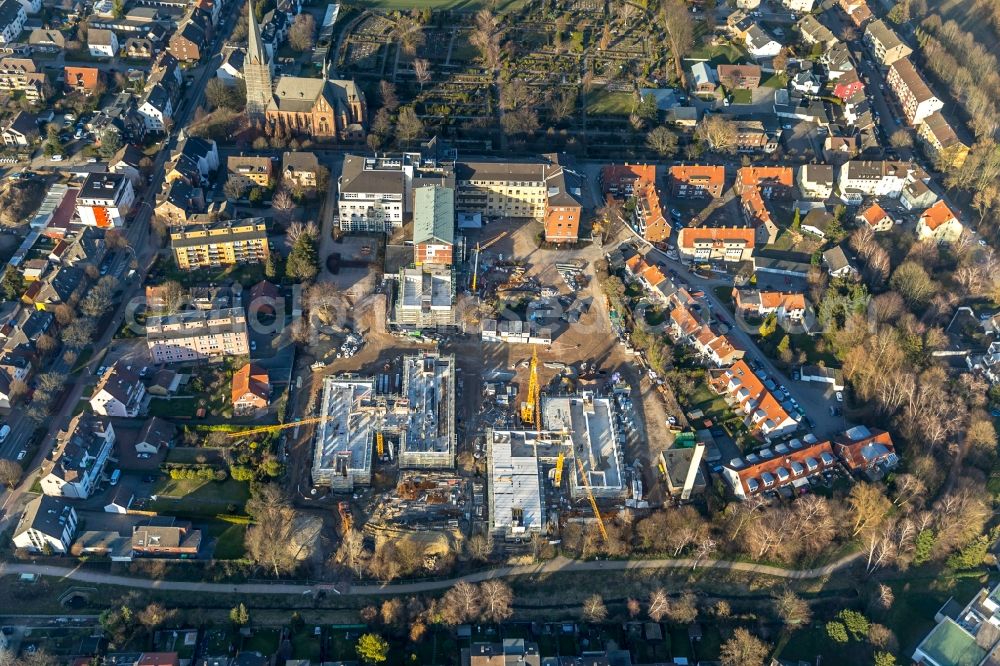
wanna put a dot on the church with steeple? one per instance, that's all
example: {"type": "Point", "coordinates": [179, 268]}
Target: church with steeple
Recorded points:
{"type": "Point", "coordinates": [318, 108]}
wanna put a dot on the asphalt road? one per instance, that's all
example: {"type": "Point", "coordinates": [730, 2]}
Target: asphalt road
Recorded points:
{"type": "Point", "coordinates": [556, 566]}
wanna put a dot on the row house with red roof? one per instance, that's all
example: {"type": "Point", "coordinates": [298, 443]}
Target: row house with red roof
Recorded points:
{"type": "Point", "coordinates": [784, 464]}
{"type": "Point", "coordinates": [746, 393]}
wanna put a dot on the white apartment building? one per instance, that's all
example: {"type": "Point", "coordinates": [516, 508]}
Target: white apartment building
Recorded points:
{"type": "Point", "coordinates": [156, 109]}
{"type": "Point", "coordinates": [799, 5]}
{"type": "Point", "coordinates": [885, 43]}
{"type": "Point", "coordinates": [860, 178]}
{"type": "Point", "coordinates": [12, 20]}
{"type": "Point", "coordinates": [104, 200]}
{"type": "Point", "coordinates": [913, 93]}
{"type": "Point", "coordinates": [196, 335]}
{"type": "Point", "coordinates": [372, 193]}
{"type": "Point", "coordinates": [79, 457]}
{"type": "Point", "coordinates": [47, 525]}
{"type": "Point", "coordinates": [120, 392]}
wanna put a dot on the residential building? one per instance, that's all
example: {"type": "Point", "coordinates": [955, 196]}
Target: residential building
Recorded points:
{"type": "Point", "coordinates": [816, 181]}
{"type": "Point", "coordinates": [760, 44]}
{"type": "Point", "coordinates": [620, 181]}
{"type": "Point", "coordinates": [563, 207]}
{"type": "Point", "coordinates": [22, 130]}
{"type": "Point", "coordinates": [755, 187]}
{"type": "Point", "coordinates": [752, 137]}
{"type": "Point", "coordinates": [739, 77]}
{"type": "Point", "coordinates": [101, 43]}
{"type": "Point", "coordinates": [703, 79]}
{"type": "Point", "coordinates": [22, 75]}
{"type": "Point", "coordinates": [716, 243]}
{"type": "Point", "coordinates": [807, 83]}
{"type": "Point", "coordinates": [885, 43]}
{"type": "Point", "coordinates": [858, 11]}
{"type": "Point", "coordinates": [823, 375]}
{"type": "Point", "coordinates": [84, 80]}
{"type": "Point", "coordinates": [865, 450]}
{"type": "Point", "coordinates": [195, 335]}
{"type": "Point", "coordinates": [300, 169]}
{"type": "Point", "coordinates": [777, 466]}
{"type": "Point", "coordinates": [941, 142]}
{"type": "Point", "coordinates": [165, 536]}
{"type": "Point", "coordinates": [231, 69]}
{"type": "Point", "coordinates": [371, 194]}
{"type": "Point", "coordinates": [77, 461]}
{"type": "Point", "coordinates": [939, 223]}
{"type": "Point", "coordinates": [507, 189]}
{"type": "Point", "coordinates": [651, 277]}
{"type": "Point", "coordinates": [917, 195]}
{"type": "Point", "coordinates": [128, 161]}
{"type": "Point", "coordinates": [875, 218]}
{"type": "Point", "coordinates": [320, 108]}
{"type": "Point", "coordinates": [180, 203]}
{"type": "Point", "coordinates": [838, 264]}
{"type": "Point", "coordinates": [964, 635]}
{"type": "Point", "coordinates": [817, 222]}
{"type": "Point", "coordinates": [188, 41]}
{"type": "Point", "coordinates": [12, 20]}
{"type": "Point", "coordinates": [748, 395]}
{"type": "Point", "coordinates": [814, 32]}
{"type": "Point", "coordinates": [682, 470]}
{"type": "Point", "coordinates": [223, 243]}
{"type": "Point", "coordinates": [801, 6]}
{"type": "Point", "coordinates": [425, 298]}
{"type": "Point", "coordinates": [912, 92]}
{"type": "Point", "coordinates": [104, 200]}
{"type": "Point", "coordinates": [648, 219]}
{"type": "Point", "coordinates": [46, 39]}
{"type": "Point", "coordinates": [119, 392]}
{"type": "Point", "coordinates": [433, 225]}
{"type": "Point", "coordinates": [157, 108]}
{"type": "Point", "coordinates": [251, 390]}
{"type": "Point", "coordinates": [156, 434]}
{"type": "Point", "coordinates": [747, 4]}
{"type": "Point", "coordinates": [138, 48]}
{"type": "Point", "coordinates": [251, 170]}
{"type": "Point", "coordinates": [696, 181]}
{"type": "Point", "coordinates": [62, 285]}
{"type": "Point", "coordinates": [511, 651]}
{"type": "Point", "coordinates": [47, 525]}
{"type": "Point", "coordinates": [788, 307]}
{"type": "Point", "coordinates": [860, 178]}
{"type": "Point", "coordinates": [193, 161]}
{"type": "Point", "coordinates": [848, 84]}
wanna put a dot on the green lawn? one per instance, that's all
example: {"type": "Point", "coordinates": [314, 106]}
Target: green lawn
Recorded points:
{"type": "Point", "coordinates": [230, 544]}
{"type": "Point", "coordinates": [264, 641]}
{"type": "Point", "coordinates": [608, 103]}
{"type": "Point", "coordinates": [807, 343]}
{"type": "Point", "coordinates": [742, 96]}
{"type": "Point", "coordinates": [191, 496]}
{"type": "Point", "coordinates": [717, 54]}
{"type": "Point", "coordinates": [178, 408]}
{"type": "Point", "coordinates": [775, 81]}
{"type": "Point", "coordinates": [305, 645]}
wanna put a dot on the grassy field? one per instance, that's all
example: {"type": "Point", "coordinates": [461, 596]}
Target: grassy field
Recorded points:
{"type": "Point", "coordinates": [717, 54]}
{"type": "Point", "coordinates": [181, 408]}
{"type": "Point", "coordinates": [191, 496]}
{"type": "Point", "coordinates": [608, 103]}
{"type": "Point", "coordinates": [742, 97]}
{"type": "Point", "coordinates": [230, 541]}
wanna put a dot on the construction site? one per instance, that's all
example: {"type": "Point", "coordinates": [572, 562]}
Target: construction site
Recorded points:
{"type": "Point", "coordinates": [362, 417]}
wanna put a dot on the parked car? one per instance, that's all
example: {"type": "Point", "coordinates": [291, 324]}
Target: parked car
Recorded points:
{"type": "Point", "coordinates": [4, 431]}
{"type": "Point", "coordinates": [22, 453]}
{"type": "Point", "coordinates": [840, 396]}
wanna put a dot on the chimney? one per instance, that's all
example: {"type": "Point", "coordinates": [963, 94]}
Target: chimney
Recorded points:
{"type": "Point", "coordinates": [699, 451]}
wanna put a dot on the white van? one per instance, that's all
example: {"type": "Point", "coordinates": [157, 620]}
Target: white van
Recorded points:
{"type": "Point", "coordinates": [115, 475]}
{"type": "Point", "coordinates": [4, 431]}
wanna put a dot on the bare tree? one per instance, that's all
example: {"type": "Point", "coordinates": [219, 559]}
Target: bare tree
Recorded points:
{"type": "Point", "coordinates": [461, 603]}
{"type": "Point", "coordinates": [497, 598]}
{"type": "Point", "coordinates": [718, 132]}
{"type": "Point", "coordinates": [422, 70]}
{"type": "Point", "coordinates": [792, 609]}
{"type": "Point", "coordinates": [409, 32]}
{"type": "Point", "coordinates": [594, 609]}
{"type": "Point", "coordinates": [269, 539]}
{"type": "Point", "coordinates": [683, 610]}
{"type": "Point", "coordinates": [486, 37]}
{"type": "Point", "coordinates": [10, 473]}
{"type": "Point", "coordinates": [301, 36]}
{"type": "Point", "coordinates": [283, 203]}
{"type": "Point", "coordinates": [625, 10]}
{"type": "Point", "coordinates": [743, 649]}
{"type": "Point", "coordinates": [297, 229]}
{"type": "Point", "coordinates": [658, 604]}
{"type": "Point", "coordinates": [680, 32]}
{"type": "Point", "coordinates": [481, 547]}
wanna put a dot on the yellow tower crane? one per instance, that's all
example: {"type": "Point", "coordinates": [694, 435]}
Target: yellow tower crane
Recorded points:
{"type": "Point", "coordinates": [380, 443]}
{"type": "Point", "coordinates": [559, 467]}
{"type": "Point", "coordinates": [593, 502]}
{"type": "Point", "coordinates": [475, 265]}
{"type": "Point", "coordinates": [276, 428]}
{"type": "Point", "coordinates": [529, 408]}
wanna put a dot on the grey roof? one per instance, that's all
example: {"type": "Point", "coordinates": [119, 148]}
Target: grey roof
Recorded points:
{"type": "Point", "coordinates": [9, 9]}
{"type": "Point", "coordinates": [818, 173]}
{"type": "Point", "coordinates": [501, 170]}
{"type": "Point", "coordinates": [101, 186]}
{"type": "Point", "coordinates": [355, 178]}
{"type": "Point", "coordinates": [157, 432]}
{"type": "Point", "coordinates": [299, 161]}
{"type": "Point", "coordinates": [157, 97]}
{"type": "Point", "coordinates": [296, 94]}
{"type": "Point", "coordinates": [883, 34]}
{"type": "Point", "coordinates": [757, 37]}
{"type": "Point", "coordinates": [119, 381]}
{"type": "Point", "coordinates": [836, 259]}
{"type": "Point", "coordinates": [24, 123]}
{"type": "Point", "coordinates": [703, 73]}
{"type": "Point", "coordinates": [46, 514]}
{"type": "Point", "coordinates": [128, 154]}
{"type": "Point", "coordinates": [434, 215]}
{"type": "Point", "coordinates": [235, 59]}
{"type": "Point", "coordinates": [95, 36]}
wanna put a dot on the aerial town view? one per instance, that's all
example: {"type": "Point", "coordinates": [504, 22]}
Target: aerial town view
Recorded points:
{"type": "Point", "coordinates": [519, 332]}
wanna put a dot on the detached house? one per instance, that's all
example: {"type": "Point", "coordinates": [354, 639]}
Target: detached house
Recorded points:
{"type": "Point", "coordinates": [739, 77]}
{"type": "Point", "coordinates": [85, 80]}
{"type": "Point", "coordinates": [250, 170]}
{"type": "Point", "coordinates": [165, 536]}
{"type": "Point", "coordinates": [814, 32]}
{"type": "Point", "coordinates": [79, 457]}
{"type": "Point", "coordinates": [760, 44]}
{"type": "Point", "coordinates": [788, 307]}
{"type": "Point", "coordinates": [875, 218]}
{"type": "Point", "coordinates": [128, 161]}
{"type": "Point", "coordinates": [300, 169]}
{"type": "Point", "coordinates": [939, 223]}
{"type": "Point", "coordinates": [47, 525]}
{"type": "Point", "coordinates": [119, 392]}
{"type": "Point", "coordinates": [187, 42]}
{"type": "Point", "coordinates": [251, 390]}
{"type": "Point", "coordinates": [22, 130]}
{"type": "Point", "coordinates": [862, 449]}
{"type": "Point", "coordinates": [102, 43]}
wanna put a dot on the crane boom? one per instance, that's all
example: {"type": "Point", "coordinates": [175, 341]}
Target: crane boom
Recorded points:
{"type": "Point", "coordinates": [380, 443]}
{"type": "Point", "coordinates": [559, 469]}
{"type": "Point", "coordinates": [593, 502]}
{"type": "Point", "coordinates": [276, 428]}
{"type": "Point", "coordinates": [529, 408]}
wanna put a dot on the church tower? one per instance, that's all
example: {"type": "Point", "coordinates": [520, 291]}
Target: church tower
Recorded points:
{"type": "Point", "coordinates": [256, 70]}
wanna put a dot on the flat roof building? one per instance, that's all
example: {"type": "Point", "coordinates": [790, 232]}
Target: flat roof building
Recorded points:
{"type": "Point", "coordinates": [590, 422]}
{"type": "Point", "coordinates": [428, 440]}
{"type": "Point", "coordinates": [515, 487]}
{"type": "Point", "coordinates": [343, 455]}
{"type": "Point", "coordinates": [425, 298]}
